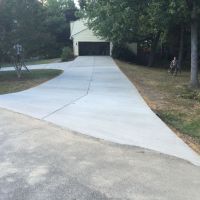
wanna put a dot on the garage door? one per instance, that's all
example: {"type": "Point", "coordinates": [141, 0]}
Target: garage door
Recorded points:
{"type": "Point", "coordinates": [94, 48]}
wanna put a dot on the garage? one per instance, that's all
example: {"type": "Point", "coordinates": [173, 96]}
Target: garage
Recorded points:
{"type": "Point", "coordinates": [86, 42]}
{"type": "Point", "coordinates": [94, 48]}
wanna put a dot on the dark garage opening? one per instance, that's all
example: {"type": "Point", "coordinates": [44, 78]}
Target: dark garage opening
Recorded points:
{"type": "Point", "coordinates": [94, 48]}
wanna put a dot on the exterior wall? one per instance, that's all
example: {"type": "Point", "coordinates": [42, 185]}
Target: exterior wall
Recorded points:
{"type": "Point", "coordinates": [77, 26]}
{"type": "Point", "coordinates": [111, 48]}
{"type": "Point", "coordinates": [85, 36]}
{"type": "Point", "coordinates": [81, 33]}
{"type": "Point", "coordinates": [75, 48]}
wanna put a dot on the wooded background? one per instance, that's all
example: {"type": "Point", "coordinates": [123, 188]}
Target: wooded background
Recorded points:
{"type": "Point", "coordinates": [162, 28]}
{"type": "Point", "coordinates": [41, 27]}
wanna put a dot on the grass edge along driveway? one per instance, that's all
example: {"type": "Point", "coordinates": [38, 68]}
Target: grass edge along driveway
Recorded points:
{"type": "Point", "coordinates": [170, 98]}
{"type": "Point", "coordinates": [9, 83]}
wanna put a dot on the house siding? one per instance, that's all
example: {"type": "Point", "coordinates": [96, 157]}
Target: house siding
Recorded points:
{"type": "Point", "coordinates": [81, 33]}
{"type": "Point", "coordinates": [84, 36]}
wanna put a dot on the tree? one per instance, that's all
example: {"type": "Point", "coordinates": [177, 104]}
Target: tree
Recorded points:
{"type": "Point", "coordinates": [179, 22]}
{"type": "Point", "coordinates": [194, 7]}
{"type": "Point", "coordinates": [22, 22]}
{"type": "Point", "coordinates": [40, 26]}
{"type": "Point", "coordinates": [57, 24]}
{"type": "Point", "coordinates": [187, 14]}
{"type": "Point", "coordinates": [146, 20]}
{"type": "Point", "coordinates": [128, 20]}
{"type": "Point", "coordinates": [82, 3]}
{"type": "Point", "coordinates": [115, 20]}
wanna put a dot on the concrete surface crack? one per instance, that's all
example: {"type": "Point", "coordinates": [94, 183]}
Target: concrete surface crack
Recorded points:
{"type": "Point", "coordinates": [79, 98]}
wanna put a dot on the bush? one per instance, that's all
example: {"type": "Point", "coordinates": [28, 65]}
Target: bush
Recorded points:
{"type": "Point", "coordinates": [122, 52]}
{"type": "Point", "coordinates": [67, 54]}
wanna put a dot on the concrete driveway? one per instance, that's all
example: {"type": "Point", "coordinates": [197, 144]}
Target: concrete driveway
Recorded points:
{"type": "Point", "coordinates": [41, 161]}
{"type": "Point", "coordinates": [93, 97]}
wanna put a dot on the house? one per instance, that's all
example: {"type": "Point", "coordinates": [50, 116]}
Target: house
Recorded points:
{"type": "Point", "coordinates": [85, 42]}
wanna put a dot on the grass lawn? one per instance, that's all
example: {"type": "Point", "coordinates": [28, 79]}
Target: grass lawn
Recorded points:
{"type": "Point", "coordinates": [44, 61]}
{"type": "Point", "coordinates": [35, 62]}
{"type": "Point", "coordinates": [9, 82]}
{"type": "Point", "coordinates": [170, 98]}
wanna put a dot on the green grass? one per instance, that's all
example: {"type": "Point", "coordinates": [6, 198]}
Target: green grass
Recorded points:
{"type": "Point", "coordinates": [176, 120]}
{"type": "Point", "coordinates": [35, 62]}
{"type": "Point", "coordinates": [9, 82]}
{"type": "Point", "coordinates": [169, 96]}
{"type": "Point", "coordinates": [44, 61]}
{"type": "Point", "coordinates": [188, 93]}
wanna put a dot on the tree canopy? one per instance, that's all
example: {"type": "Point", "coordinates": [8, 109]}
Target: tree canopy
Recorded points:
{"type": "Point", "coordinates": [154, 22]}
{"type": "Point", "coordinates": [40, 26]}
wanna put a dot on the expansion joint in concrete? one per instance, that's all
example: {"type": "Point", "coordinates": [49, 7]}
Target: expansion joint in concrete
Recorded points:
{"type": "Point", "coordinates": [77, 99]}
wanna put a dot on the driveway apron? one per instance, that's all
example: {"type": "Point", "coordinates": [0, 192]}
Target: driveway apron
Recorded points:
{"type": "Point", "coordinates": [95, 98]}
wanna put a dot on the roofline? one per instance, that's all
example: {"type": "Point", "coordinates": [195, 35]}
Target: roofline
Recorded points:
{"type": "Point", "coordinates": [78, 32]}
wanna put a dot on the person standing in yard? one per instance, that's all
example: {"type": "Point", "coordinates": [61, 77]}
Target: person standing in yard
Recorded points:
{"type": "Point", "coordinates": [174, 68]}
{"type": "Point", "coordinates": [18, 51]}
{"type": "Point", "coordinates": [18, 59]}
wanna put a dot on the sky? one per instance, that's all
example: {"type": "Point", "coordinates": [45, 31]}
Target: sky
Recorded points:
{"type": "Point", "coordinates": [76, 2]}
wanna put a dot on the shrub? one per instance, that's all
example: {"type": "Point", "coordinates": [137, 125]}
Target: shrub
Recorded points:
{"type": "Point", "coordinates": [122, 52]}
{"type": "Point", "coordinates": [67, 54]}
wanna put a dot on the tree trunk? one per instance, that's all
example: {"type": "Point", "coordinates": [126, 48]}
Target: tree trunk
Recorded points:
{"type": "Point", "coordinates": [194, 48]}
{"type": "Point", "coordinates": [180, 56]}
{"type": "Point", "coordinates": [153, 49]}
